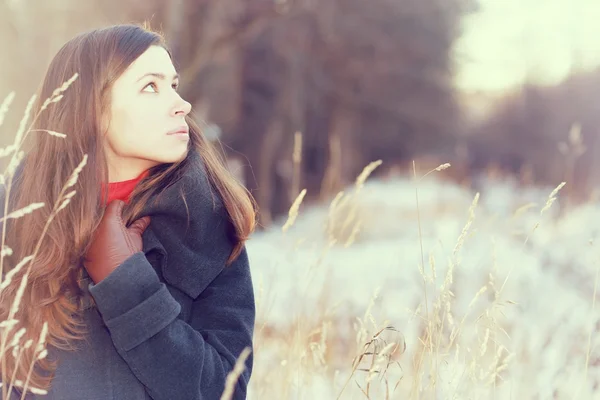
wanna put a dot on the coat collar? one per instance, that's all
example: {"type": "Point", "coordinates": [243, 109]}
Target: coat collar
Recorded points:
{"type": "Point", "coordinates": [189, 231]}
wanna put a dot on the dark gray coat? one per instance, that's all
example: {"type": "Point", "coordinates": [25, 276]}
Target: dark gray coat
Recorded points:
{"type": "Point", "coordinates": [171, 320]}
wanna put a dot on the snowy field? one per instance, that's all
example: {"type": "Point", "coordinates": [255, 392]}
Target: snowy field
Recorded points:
{"type": "Point", "coordinates": [492, 300]}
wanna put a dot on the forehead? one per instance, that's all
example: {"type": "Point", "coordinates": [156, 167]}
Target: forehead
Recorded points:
{"type": "Point", "coordinates": [154, 60]}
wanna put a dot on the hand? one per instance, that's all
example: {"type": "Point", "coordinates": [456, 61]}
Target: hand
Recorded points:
{"type": "Point", "coordinates": [112, 242]}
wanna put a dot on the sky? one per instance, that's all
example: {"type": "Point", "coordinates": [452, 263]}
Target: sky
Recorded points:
{"type": "Point", "coordinates": [509, 39]}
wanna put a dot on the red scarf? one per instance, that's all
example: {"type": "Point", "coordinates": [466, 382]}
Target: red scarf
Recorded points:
{"type": "Point", "coordinates": [122, 190]}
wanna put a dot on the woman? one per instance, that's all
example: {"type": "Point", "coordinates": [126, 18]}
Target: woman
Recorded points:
{"type": "Point", "coordinates": [149, 297]}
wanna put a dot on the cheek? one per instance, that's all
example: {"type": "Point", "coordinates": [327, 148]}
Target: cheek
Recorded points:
{"type": "Point", "coordinates": [131, 126]}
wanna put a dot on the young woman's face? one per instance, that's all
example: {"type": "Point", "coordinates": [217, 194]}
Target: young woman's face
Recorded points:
{"type": "Point", "coordinates": [146, 117]}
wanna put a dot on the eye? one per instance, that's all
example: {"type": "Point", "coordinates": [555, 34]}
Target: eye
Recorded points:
{"type": "Point", "coordinates": [152, 85]}
{"type": "Point", "coordinates": [175, 85]}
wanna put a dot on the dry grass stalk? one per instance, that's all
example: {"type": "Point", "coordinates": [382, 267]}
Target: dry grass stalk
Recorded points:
{"type": "Point", "coordinates": [432, 266]}
{"type": "Point", "coordinates": [75, 174]}
{"type": "Point", "coordinates": [67, 200]}
{"type": "Point", "coordinates": [466, 228]}
{"type": "Point", "coordinates": [5, 105]}
{"type": "Point", "coordinates": [19, 352]}
{"type": "Point", "coordinates": [436, 169]}
{"type": "Point", "coordinates": [455, 333]}
{"type": "Point", "coordinates": [293, 212]}
{"type": "Point", "coordinates": [366, 172]}
{"type": "Point", "coordinates": [549, 202]}
{"type": "Point", "coordinates": [523, 209]}
{"type": "Point", "coordinates": [51, 133]}
{"type": "Point", "coordinates": [59, 205]}
{"type": "Point", "coordinates": [23, 211]}
{"type": "Point", "coordinates": [380, 359]}
{"type": "Point", "coordinates": [40, 353]}
{"type": "Point", "coordinates": [343, 220]}
{"type": "Point", "coordinates": [421, 266]}
{"type": "Point", "coordinates": [57, 94]}
{"type": "Point", "coordinates": [6, 251]}
{"type": "Point", "coordinates": [21, 130]}
{"type": "Point", "coordinates": [8, 278]}
{"type": "Point", "coordinates": [12, 167]}
{"type": "Point", "coordinates": [319, 348]}
{"type": "Point", "coordinates": [376, 348]}
{"type": "Point", "coordinates": [353, 234]}
{"type": "Point", "coordinates": [17, 337]}
{"type": "Point", "coordinates": [234, 375]}
{"type": "Point", "coordinates": [19, 383]}
{"type": "Point", "coordinates": [8, 150]}
{"type": "Point", "coordinates": [440, 318]}
{"type": "Point", "coordinates": [552, 198]}
{"type": "Point", "coordinates": [8, 323]}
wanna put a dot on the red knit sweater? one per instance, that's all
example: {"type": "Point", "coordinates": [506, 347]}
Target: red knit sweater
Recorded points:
{"type": "Point", "coordinates": [122, 190]}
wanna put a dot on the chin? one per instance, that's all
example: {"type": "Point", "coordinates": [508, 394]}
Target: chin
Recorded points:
{"type": "Point", "coordinates": [168, 158]}
{"type": "Point", "coordinates": [179, 157]}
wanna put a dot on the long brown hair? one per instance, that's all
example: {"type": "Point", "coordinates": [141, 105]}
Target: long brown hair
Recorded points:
{"type": "Point", "coordinates": [99, 57]}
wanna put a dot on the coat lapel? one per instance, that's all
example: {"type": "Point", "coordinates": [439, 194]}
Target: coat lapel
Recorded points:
{"type": "Point", "coordinates": [189, 235]}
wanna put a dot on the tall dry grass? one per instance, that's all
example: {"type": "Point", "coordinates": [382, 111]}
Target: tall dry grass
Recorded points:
{"type": "Point", "coordinates": [347, 356]}
{"type": "Point", "coordinates": [11, 341]}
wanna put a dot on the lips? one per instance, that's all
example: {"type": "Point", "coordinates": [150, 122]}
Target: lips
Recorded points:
{"type": "Point", "coordinates": [182, 130]}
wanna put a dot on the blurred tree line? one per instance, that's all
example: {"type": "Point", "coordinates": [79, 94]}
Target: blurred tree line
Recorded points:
{"type": "Point", "coordinates": [545, 134]}
{"type": "Point", "coordinates": [359, 80]}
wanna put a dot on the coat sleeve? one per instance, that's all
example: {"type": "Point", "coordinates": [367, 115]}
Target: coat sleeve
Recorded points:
{"type": "Point", "coordinates": [172, 358]}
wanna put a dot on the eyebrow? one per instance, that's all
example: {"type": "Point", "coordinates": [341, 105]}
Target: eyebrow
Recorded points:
{"type": "Point", "coordinates": [158, 75]}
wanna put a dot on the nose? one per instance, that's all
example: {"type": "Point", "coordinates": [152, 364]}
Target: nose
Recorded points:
{"type": "Point", "coordinates": [182, 107]}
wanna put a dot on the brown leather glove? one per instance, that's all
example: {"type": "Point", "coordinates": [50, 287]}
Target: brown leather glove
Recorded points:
{"type": "Point", "coordinates": [112, 242]}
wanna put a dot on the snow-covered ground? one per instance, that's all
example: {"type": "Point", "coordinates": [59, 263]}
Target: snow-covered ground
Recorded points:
{"type": "Point", "coordinates": [302, 282]}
